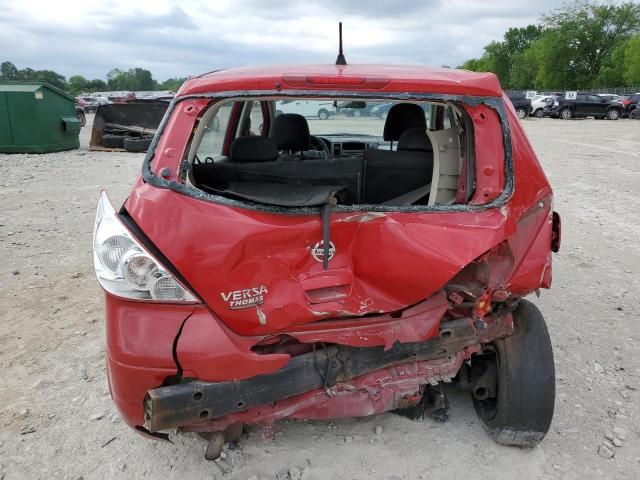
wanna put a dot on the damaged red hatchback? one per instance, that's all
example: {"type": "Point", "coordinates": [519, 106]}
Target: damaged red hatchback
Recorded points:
{"type": "Point", "coordinates": [331, 241]}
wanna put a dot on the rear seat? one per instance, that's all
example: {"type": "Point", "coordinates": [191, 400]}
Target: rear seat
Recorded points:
{"type": "Point", "coordinates": [390, 174]}
{"type": "Point", "coordinates": [379, 176]}
{"type": "Point", "coordinates": [252, 157]}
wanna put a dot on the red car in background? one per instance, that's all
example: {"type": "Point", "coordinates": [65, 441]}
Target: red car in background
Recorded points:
{"type": "Point", "coordinates": [283, 267]}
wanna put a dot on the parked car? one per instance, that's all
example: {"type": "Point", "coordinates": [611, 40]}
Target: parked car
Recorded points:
{"type": "Point", "coordinates": [629, 103]}
{"type": "Point", "coordinates": [585, 105]}
{"type": "Point", "coordinates": [80, 113]}
{"type": "Point", "coordinates": [247, 281]}
{"type": "Point", "coordinates": [91, 103]}
{"type": "Point", "coordinates": [307, 109]}
{"type": "Point", "coordinates": [520, 103]}
{"type": "Point", "coordinates": [355, 108]}
{"type": "Point", "coordinates": [538, 104]}
{"type": "Point", "coordinates": [381, 110]}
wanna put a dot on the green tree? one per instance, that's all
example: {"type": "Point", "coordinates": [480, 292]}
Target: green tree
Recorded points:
{"type": "Point", "coordinates": [172, 84]}
{"type": "Point", "coordinates": [8, 71]}
{"type": "Point", "coordinates": [612, 71]}
{"type": "Point", "coordinates": [135, 79]}
{"type": "Point", "coordinates": [582, 45]}
{"type": "Point", "coordinates": [50, 77]}
{"type": "Point", "coordinates": [631, 72]}
{"type": "Point", "coordinates": [96, 85]}
{"type": "Point", "coordinates": [591, 31]}
{"type": "Point", "coordinates": [78, 84]}
{"type": "Point", "coordinates": [499, 57]}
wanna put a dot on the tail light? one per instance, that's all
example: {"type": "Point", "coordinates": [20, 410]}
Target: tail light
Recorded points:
{"type": "Point", "coordinates": [124, 268]}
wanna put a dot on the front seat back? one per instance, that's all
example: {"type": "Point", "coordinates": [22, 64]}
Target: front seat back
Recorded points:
{"type": "Point", "coordinates": [401, 117]}
{"type": "Point", "coordinates": [290, 131]}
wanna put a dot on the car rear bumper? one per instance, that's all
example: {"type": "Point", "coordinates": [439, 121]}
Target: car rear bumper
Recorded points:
{"type": "Point", "coordinates": [220, 374]}
{"type": "Point", "coordinates": [196, 402]}
{"type": "Point", "coordinates": [140, 350]}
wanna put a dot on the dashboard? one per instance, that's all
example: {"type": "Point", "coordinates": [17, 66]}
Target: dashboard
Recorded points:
{"type": "Point", "coordinates": [345, 145]}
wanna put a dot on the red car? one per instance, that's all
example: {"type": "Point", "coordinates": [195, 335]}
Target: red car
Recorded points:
{"type": "Point", "coordinates": [284, 267]}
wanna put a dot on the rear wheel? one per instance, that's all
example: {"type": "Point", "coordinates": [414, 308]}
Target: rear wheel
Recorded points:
{"type": "Point", "coordinates": [521, 113]}
{"type": "Point", "coordinates": [82, 118]}
{"type": "Point", "coordinates": [323, 114]}
{"type": "Point", "coordinates": [566, 114]}
{"type": "Point", "coordinates": [613, 114]}
{"type": "Point", "coordinates": [635, 114]}
{"type": "Point", "coordinates": [539, 113]}
{"type": "Point", "coordinates": [514, 392]}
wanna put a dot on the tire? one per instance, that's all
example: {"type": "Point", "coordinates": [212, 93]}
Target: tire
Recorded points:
{"type": "Point", "coordinates": [521, 411]}
{"type": "Point", "coordinates": [635, 114]}
{"type": "Point", "coordinates": [613, 114]}
{"type": "Point", "coordinates": [565, 114]}
{"type": "Point", "coordinates": [112, 141]}
{"type": "Point", "coordinates": [323, 114]}
{"type": "Point", "coordinates": [83, 119]}
{"type": "Point", "coordinates": [539, 113]}
{"type": "Point", "coordinates": [521, 113]}
{"type": "Point", "coordinates": [137, 145]}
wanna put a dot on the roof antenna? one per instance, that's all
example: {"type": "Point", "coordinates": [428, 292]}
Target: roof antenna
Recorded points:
{"type": "Point", "coordinates": [340, 60]}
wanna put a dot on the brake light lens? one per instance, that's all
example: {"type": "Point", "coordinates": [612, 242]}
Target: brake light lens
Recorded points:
{"type": "Point", "coordinates": [124, 268]}
{"type": "Point", "coordinates": [337, 80]}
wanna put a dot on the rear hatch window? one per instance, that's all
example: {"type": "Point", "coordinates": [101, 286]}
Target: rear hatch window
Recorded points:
{"type": "Point", "coordinates": [300, 152]}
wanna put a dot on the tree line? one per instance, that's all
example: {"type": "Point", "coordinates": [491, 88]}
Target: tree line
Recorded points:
{"type": "Point", "coordinates": [135, 79]}
{"type": "Point", "coordinates": [585, 44]}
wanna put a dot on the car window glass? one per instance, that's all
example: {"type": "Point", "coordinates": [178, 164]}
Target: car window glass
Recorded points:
{"type": "Point", "coordinates": [448, 118]}
{"type": "Point", "coordinates": [581, 98]}
{"type": "Point", "coordinates": [257, 120]}
{"type": "Point", "coordinates": [214, 133]}
{"type": "Point", "coordinates": [252, 121]}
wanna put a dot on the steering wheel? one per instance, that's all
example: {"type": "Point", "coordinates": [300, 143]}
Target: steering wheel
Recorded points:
{"type": "Point", "coordinates": [319, 146]}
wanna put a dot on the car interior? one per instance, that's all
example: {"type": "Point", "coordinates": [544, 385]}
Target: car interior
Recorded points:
{"type": "Point", "coordinates": [411, 154]}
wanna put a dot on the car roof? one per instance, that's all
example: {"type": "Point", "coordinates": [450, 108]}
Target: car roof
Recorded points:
{"type": "Point", "coordinates": [346, 78]}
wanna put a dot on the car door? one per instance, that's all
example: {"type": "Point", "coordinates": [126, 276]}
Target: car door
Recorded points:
{"type": "Point", "coordinates": [597, 105]}
{"type": "Point", "coordinates": [580, 105]}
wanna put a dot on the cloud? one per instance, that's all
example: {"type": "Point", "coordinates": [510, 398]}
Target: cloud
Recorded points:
{"type": "Point", "coordinates": [174, 39]}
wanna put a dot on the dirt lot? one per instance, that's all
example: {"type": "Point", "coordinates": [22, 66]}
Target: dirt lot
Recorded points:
{"type": "Point", "coordinates": [57, 420]}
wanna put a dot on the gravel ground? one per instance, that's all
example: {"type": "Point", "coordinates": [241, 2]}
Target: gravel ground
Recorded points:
{"type": "Point", "coordinates": [57, 420]}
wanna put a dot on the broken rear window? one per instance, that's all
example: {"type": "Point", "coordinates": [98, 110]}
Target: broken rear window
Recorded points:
{"type": "Point", "coordinates": [296, 152]}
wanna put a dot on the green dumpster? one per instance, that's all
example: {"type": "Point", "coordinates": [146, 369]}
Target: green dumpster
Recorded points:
{"type": "Point", "coordinates": [36, 117]}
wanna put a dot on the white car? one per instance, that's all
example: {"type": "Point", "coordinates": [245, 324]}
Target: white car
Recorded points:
{"type": "Point", "coordinates": [538, 104]}
{"type": "Point", "coordinates": [321, 110]}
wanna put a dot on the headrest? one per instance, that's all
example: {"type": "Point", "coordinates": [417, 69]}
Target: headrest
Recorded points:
{"type": "Point", "coordinates": [401, 117]}
{"type": "Point", "coordinates": [415, 140]}
{"type": "Point", "coordinates": [253, 149]}
{"type": "Point", "coordinates": [290, 132]}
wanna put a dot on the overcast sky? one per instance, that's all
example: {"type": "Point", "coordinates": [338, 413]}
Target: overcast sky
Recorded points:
{"type": "Point", "coordinates": [176, 39]}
